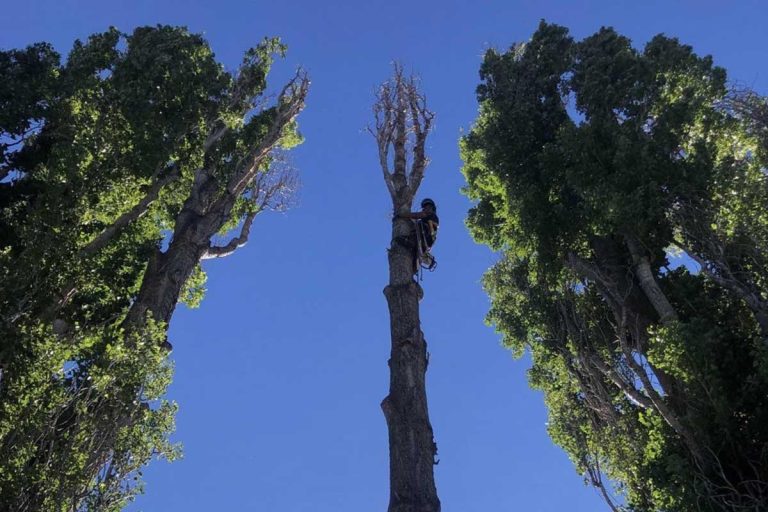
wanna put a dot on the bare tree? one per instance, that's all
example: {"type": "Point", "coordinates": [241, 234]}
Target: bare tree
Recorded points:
{"type": "Point", "coordinates": [402, 124]}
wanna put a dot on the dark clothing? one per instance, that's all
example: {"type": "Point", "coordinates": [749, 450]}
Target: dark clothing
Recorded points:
{"type": "Point", "coordinates": [428, 226]}
{"type": "Point", "coordinates": [421, 238]}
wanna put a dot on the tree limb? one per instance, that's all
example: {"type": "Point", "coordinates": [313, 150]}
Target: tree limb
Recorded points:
{"type": "Point", "coordinates": [589, 271]}
{"type": "Point", "coordinates": [270, 190]}
{"type": "Point", "coordinates": [234, 244]}
{"type": "Point", "coordinates": [171, 174]}
{"type": "Point", "coordinates": [421, 118]}
{"type": "Point", "coordinates": [758, 306]}
{"type": "Point", "coordinates": [290, 102]}
{"type": "Point", "coordinates": [131, 215]}
{"type": "Point", "coordinates": [648, 284]}
{"type": "Point", "coordinates": [655, 398]}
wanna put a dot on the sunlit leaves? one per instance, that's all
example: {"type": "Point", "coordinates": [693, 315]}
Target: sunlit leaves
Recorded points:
{"type": "Point", "coordinates": [82, 141]}
{"type": "Point", "coordinates": [579, 149]}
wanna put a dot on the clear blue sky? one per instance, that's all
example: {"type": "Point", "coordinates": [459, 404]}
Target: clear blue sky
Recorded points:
{"type": "Point", "coordinates": [280, 373]}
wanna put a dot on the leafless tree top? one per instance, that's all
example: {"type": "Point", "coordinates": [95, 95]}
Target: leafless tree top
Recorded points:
{"type": "Point", "coordinates": [402, 122]}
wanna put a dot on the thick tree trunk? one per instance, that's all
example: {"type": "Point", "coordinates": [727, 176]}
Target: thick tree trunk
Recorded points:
{"type": "Point", "coordinates": [402, 124]}
{"type": "Point", "coordinates": [201, 217]}
{"type": "Point", "coordinates": [412, 448]}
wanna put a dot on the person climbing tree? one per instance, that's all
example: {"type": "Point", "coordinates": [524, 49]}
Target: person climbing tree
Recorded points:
{"type": "Point", "coordinates": [423, 235]}
{"type": "Point", "coordinates": [402, 124]}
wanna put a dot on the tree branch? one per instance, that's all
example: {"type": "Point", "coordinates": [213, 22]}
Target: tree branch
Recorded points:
{"type": "Point", "coordinates": [655, 398]}
{"type": "Point", "coordinates": [131, 215]}
{"type": "Point", "coordinates": [421, 117]}
{"type": "Point", "coordinates": [758, 306]}
{"type": "Point", "coordinates": [235, 243]}
{"type": "Point", "coordinates": [382, 110]}
{"type": "Point", "coordinates": [589, 271]}
{"type": "Point", "coordinates": [290, 102]}
{"type": "Point", "coordinates": [402, 125]}
{"type": "Point", "coordinates": [271, 190]}
{"type": "Point", "coordinates": [648, 284]}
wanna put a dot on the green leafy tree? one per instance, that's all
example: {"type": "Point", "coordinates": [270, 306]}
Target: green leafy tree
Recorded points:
{"type": "Point", "coordinates": [119, 168]}
{"type": "Point", "coordinates": [592, 166]}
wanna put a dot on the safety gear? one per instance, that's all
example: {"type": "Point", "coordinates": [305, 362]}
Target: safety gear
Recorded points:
{"type": "Point", "coordinates": [425, 238]}
{"type": "Point", "coordinates": [428, 202]}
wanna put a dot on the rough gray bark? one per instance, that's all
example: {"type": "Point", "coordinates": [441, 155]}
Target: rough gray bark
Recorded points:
{"type": "Point", "coordinates": [402, 123]}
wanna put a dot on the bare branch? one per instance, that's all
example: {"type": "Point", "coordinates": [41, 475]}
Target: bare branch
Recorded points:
{"type": "Point", "coordinates": [589, 271]}
{"type": "Point", "coordinates": [720, 274]}
{"type": "Point", "coordinates": [272, 189]}
{"type": "Point", "coordinates": [590, 358]}
{"type": "Point", "coordinates": [672, 419]}
{"type": "Point", "coordinates": [290, 102]}
{"type": "Point", "coordinates": [401, 127]}
{"type": "Point", "coordinates": [752, 109]}
{"type": "Point", "coordinates": [421, 117]}
{"type": "Point", "coordinates": [235, 243]}
{"type": "Point", "coordinates": [629, 390]}
{"type": "Point", "coordinates": [382, 110]}
{"type": "Point", "coordinates": [595, 477]}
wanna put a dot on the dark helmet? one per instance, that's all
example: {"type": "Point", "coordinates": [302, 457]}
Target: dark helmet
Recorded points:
{"type": "Point", "coordinates": [428, 202]}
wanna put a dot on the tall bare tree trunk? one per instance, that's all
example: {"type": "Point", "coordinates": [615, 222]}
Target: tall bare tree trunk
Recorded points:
{"type": "Point", "coordinates": [402, 122]}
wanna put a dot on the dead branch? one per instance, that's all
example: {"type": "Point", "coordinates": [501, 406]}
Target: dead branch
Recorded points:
{"type": "Point", "coordinates": [234, 244]}
{"type": "Point", "coordinates": [290, 102]}
{"type": "Point", "coordinates": [659, 404]}
{"type": "Point", "coordinates": [707, 248]}
{"type": "Point", "coordinates": [402, 123]}
{"type": "Point", "coordinates": [271, 190]}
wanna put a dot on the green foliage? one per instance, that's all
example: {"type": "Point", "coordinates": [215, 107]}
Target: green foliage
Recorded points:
{"type": "Point", "coordinates": [588, 160]}
{"type": "Point", "coordinates": [194, 288]}
{"type": "Point", "coordinates": [81, 143]}
{"type": "Point", "coordinates": [69, 400]}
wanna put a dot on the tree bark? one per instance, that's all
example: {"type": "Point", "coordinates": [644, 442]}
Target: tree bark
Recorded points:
{"type": "Point", "coordinates": [402, 122]}
{"type": "Point", "coordinates": [647, 281]}
{"type": "Point", "coordinates": [412, 448]}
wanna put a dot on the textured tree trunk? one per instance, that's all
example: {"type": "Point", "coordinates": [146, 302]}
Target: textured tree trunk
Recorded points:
{"type": "Point", "coordinates": [401, 113]}
{"type": "Point", "coordinates": [412, 448]}
{"type": "Point", "coordinates": [201, 217]}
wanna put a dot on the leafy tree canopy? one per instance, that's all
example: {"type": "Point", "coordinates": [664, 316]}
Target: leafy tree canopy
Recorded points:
{"type": "Point", "coordinates": [593, 165]}
{"type": "Point", "coordinates": [100, 156]}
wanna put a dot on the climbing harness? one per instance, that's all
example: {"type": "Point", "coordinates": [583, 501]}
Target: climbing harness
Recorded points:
{"type": "Point", "coordinates": [424, 257]}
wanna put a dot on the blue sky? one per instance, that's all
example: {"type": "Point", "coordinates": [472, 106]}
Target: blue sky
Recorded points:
{"type": "Point", "coordinates": [280, 372]}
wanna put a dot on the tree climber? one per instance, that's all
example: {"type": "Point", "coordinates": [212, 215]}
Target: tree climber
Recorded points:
{"type": "Point", "coordinates": [423, 235]}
